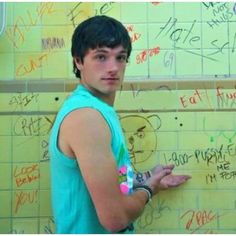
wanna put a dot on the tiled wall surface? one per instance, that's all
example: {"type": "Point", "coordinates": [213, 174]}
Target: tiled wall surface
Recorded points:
{"type": "Point", "coordinates": [179, 85]}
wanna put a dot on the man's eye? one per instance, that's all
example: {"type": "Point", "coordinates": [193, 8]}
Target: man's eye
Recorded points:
{"type": "Point", "coordinates": [100, 57]}
{"type": "Point", "coordinates": [122, 58]}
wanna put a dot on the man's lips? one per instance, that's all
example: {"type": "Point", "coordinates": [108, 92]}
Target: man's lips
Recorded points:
{"type": "Point", "coordinates": [110, 79]}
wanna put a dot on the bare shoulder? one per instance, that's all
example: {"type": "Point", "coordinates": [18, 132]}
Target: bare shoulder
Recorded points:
{"type": "Point", "coordinates": [85, 119]}
{"type": "Point", "coordinates": [82, 128]}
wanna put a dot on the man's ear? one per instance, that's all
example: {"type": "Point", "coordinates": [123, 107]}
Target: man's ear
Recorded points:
{"type": "Point", "coordinates": [78, 63]}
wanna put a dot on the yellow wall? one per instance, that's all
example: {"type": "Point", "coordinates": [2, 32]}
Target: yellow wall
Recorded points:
{"type": "Point", "coordinates": [184, 93]}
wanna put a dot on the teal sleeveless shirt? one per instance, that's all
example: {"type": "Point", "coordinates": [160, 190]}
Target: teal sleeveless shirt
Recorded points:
{"type": "Point", "coordinates": [73, 209]}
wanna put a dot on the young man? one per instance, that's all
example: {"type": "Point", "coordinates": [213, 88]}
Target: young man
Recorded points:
{"type": "Point", "coordinates": [94, 189]}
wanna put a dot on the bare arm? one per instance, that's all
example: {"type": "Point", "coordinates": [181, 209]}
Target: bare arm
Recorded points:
{"type": "Point", "coordinates": [85, 135]}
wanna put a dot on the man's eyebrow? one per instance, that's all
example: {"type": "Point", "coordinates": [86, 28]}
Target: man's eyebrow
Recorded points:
{"type": "Point", "coordinates": [123, 52]}
{"type": "Point", "coordinates": [101, 50]}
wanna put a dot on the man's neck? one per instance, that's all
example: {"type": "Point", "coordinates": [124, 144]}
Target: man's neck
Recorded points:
{"type": "Point", "coordinates": [107, 98]}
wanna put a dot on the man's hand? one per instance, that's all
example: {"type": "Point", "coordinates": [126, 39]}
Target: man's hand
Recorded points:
{"type": "Point", "coordinates": [158, 168]}
{"type": "Point", "coordinates": [174, 180]}
{"type": "Point", "coordinates": [162, 178]}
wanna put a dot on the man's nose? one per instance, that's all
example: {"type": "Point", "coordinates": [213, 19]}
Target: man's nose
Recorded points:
{"type": "Point", "coordinates": [112, 66]}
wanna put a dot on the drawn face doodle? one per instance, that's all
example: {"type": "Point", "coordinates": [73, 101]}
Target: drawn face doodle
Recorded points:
{"type": "Point", "coordinates": [141, 137]}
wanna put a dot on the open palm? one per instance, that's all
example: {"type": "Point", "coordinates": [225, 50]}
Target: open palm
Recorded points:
{"type": "Point", "coordinates": [174, 180]}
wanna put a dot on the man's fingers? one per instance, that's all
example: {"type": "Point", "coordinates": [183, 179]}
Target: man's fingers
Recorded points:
{"type": "Point", "coordinates": [163, 173]}
{"type": "Point", "coordinates": [170, 166]}
{"type": "Point", "coordinates": [180, 179]}
{"type": "Point", "coordinates": [159, 168]}
{"type": "Point", "coordinates": [187, 177]}
{"type": "Point", "coordinates": [175, 180]}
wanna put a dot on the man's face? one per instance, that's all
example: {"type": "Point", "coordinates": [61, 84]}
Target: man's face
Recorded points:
{"type": "Point", "coordinates": [102, 70]}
